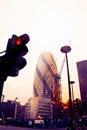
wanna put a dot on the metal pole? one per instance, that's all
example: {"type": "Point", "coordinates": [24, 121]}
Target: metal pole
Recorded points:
{"type": "Point", "coordinates": [15, 110]}
{"type": "Point", "coordinates": [1, 89]}
{"type": "Point", "coordinates": [72, 82]}
{"type": "Point", "coordinates": [66, 49]}
{"type": "Point", "coordinates": [70, 99]}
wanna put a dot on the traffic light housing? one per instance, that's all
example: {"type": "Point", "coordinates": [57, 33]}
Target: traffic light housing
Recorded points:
{"type": "Point", "coordinates": [77, 105]}
{"type": "Point", "coordinates": [13, 60]}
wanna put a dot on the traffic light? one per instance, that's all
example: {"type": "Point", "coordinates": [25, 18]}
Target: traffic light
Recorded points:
{"type": "Point", "coordinates": [16, 47]}
{"type": "Point", "coordinates": [13, 60]}
{"type": "Point", "coordinates": [77, 105]}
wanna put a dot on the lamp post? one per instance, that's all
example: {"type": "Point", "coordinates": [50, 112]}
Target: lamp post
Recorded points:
{"type": "Point", "coordinates": [66, 49]}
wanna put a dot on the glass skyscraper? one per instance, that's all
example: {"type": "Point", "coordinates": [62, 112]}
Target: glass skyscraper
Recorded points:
{"type": "Point", "coordinates": [46, 79]}
{"type": "Point", "coordinates": [82, 75]}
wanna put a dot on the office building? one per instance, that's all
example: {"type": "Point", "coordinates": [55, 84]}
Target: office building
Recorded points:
{"type": "Point", "coordinates": [38, 108]}
{"type": "Point", "coordinates": [13, 110]}
{"type": "Point", "coordinates": [47, 94]}
{"type": "Point", "coordinates": [82, 76]}
{"type": "Point", "coordinates": [46, 79]}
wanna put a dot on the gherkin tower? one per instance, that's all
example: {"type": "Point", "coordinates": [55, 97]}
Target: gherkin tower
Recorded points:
{"type": "Point", "coordinates": [46, 79]}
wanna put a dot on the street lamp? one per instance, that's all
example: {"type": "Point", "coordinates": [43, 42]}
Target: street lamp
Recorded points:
{"type": "Point", "coordinates": [66, 49]}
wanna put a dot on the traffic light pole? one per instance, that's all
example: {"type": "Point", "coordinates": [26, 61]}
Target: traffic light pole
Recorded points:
{"type": "Point", "coordinates": [1, 88]}
{"type": "Point", "coordinates": [13, 60]}
{"type": "Point", "coordinates": [1, 83]}
{"type": "Point", "coordinates": [16, 49]}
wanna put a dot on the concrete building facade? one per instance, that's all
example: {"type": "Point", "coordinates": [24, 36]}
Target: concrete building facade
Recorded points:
{"type": "Point", "coordinates": [39, 108]}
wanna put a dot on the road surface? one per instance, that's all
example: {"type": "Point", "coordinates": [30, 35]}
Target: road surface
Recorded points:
{"type": "Point", "coordinates": [19, 128]}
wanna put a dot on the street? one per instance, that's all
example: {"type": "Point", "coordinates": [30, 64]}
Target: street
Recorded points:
{"type": "Point", "coordinates": [19, 128]}
{"type": "Point", "coordinates": [3, 127]}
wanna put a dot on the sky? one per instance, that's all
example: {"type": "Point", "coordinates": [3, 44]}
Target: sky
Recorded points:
{"type": "Point", "coordinates": [50, 24]}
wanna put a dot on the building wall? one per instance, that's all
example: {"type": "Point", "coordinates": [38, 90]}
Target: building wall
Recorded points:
{"type": "Point", "coordinates": [8, 109]}
{"type": "Point", "coordinates": [82, 75]}
{"type": "Point", "coordinates": [39, 107]}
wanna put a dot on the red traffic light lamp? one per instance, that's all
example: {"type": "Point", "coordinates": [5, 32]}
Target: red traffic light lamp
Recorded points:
{"type": "Point", "coordinates": [23, 39]}
{"type": "Point", "coordinates": [19, 41]}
